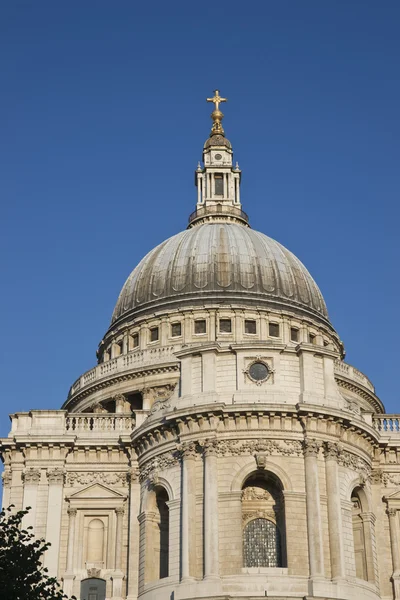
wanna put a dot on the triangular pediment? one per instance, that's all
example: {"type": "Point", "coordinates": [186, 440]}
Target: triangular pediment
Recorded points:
{"type": "Point", "coordinates": [394, 496]}
{"type": "Point", "coordinates": [96, 490]}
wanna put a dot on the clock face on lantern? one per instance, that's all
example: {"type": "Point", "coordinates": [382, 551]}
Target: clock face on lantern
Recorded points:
{"type": "Point", "coordinates": [218, 156]}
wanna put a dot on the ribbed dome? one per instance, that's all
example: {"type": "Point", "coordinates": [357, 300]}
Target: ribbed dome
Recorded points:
{"type": "Point", "coordinates": [222, 262]}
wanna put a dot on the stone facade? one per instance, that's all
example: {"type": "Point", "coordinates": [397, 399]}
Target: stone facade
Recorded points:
{"type": "Point", "coordinates": [221, 448]}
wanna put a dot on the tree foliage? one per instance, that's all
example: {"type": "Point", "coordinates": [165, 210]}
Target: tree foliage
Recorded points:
{"type": "Point", "coordinates": [22, 574]}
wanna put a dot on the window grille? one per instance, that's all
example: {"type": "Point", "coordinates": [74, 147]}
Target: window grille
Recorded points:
{"type": "Point", "coordinates": [261, 544]}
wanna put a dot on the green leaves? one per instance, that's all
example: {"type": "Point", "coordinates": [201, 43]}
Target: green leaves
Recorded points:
{"type": "Point", "coordinates": [22, 574]}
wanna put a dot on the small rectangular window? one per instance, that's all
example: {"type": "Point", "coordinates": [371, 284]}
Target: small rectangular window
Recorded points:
{"type": "Point", "coordinates": [312, 338]}
{"type": "Point", "coordinates": [294, 334]}
{"type": "Point", "coordinates": [219, 184]}
{"type": "Point", "coordinates": [200, 326]}
{"type": "Point", "coordinates": [225, 325]}
{"type": "Point", "coordinates": [135, 340]}
{"type": "Point", "coordinates": [274, 329]}
{"type": "Point", "coordinates": [154, 334]}
{"type": "Point", "coordinates": [176, 329]}
{"type": "Point", "coordinates": [250, 326]}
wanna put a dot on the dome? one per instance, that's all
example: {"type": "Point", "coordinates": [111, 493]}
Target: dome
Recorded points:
{"type": "Point", "coordinates": [217, 140]}
{"type": "Point", "coordinates": [220, 262]}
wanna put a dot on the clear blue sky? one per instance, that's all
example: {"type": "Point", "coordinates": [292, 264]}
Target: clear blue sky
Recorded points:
{"type": "Point", "coordinates": [103, 117]}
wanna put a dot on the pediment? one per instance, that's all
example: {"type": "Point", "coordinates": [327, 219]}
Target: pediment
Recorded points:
{"type": "Point", "coordinates": [394, 496]}
{"type": "Point", "coordinates": [96, 490]}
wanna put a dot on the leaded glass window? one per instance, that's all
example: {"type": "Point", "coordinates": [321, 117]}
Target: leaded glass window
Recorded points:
{"type": "Point", "coordinates": [261, 544]}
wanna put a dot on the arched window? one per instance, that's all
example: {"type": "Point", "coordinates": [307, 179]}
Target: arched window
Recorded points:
{"type": "Point", "coordinates": [263, 519]}
{"type": "Point", "coordinates": [163, 538]}
{"type": "Point", "coordinates": [261, 544]}
{"type": "Point", "coordinates": [93, 589]}
{"type": "Point", "coordinates": [360, 555]}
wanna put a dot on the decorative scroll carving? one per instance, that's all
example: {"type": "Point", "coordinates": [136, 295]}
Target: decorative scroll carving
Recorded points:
{"type": "Point", "coordinates": [351, 461]}
{"type": "Point", "coordinates": [56, 475]}
{"type": "Point", "coordinates": [392, 512]}
{"type": "Point", "coordinates": [72, 512]}
{"type": "Point", "coordinates": [266, 447]}
{"type": "Point", "coordinates": [133, 475]}
{"type": "Point", "coordinates": [377, 476]}
{"type": "Point", "coordinates": [119, 511]}
{"type": "Point", "coordinates": [6, 478]}
{"type": "Point", "coordinates": [210, 447]}
{"type": "Point", "coordinates": [165, 461]}
{"type": "Point", "coordinates": [31, 475]}
{"type": "Point", "coordinates": [391, 479]}
{"type": "Point", "coordinates": [311, 447]}
{"type": "Point", "coordinates": [93, 572]}
{"type": "Point", "coordinates": [87, 478]}
{"type": "Point", "coordinates": [258, 513]}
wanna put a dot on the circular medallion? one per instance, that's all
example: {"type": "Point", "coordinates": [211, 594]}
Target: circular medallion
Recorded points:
{"type": "Point", "coordinates": [218, 156]}
{"type": "Point", "coordinates": [258, 371]}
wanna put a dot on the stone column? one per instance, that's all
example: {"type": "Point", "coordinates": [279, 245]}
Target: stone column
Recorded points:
{"type": "Point", "coordinates": [53, 522]}
{"type": "Point", "coordinates": [210, 511]}
{"type": "Point", "coordinates": [368, 521]}
{"type": "Point", "coordinates": [331, 451]}
{"type": "Point", "coordinates": [72, 512]}
{"type": "Point", "coordinates": [118, 573]}
{"type": "Point", "coordinates": [188, 508]}
{"type": "Point", "coordinates": [6, 477]}
{"type": "Point", "coordinates": [133, 539]}
{"type": "Point", "coordinates": [395, 548]}
{"type": "Point", "coordinates": [313, 507]}
{"type": "Point", "coordinates": [31, 478]}
{"type": "Point", "coordinates": [69, 574]}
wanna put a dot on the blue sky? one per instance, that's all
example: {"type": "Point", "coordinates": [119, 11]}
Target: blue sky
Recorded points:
{"type": "Point", "coordinates": [103, 117]}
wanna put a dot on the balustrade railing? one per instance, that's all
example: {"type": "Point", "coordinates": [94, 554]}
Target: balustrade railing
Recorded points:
{"type": "Point", "coordinates": [88, 422]}
{"type": "Point", "coordinates": [342, 368]}
{"type": "Point", "coordinates": [387, 423]}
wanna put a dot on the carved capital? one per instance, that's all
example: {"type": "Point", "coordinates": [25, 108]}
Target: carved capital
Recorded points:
{"type": "Point", "coordinates": [6, 477]}
{"type": "Point", "coordinates": [210, 447]}
{"type": "Point", "coordinates": [392, 512]}
{"type": "Point", "coordinates": [133, 474]}
{"type": "Point", "coordinates": [119, 511]}
{"type": "Point", "coordinates": [72, 512]}
{"type": "Point", "coordinates": [376, 476]}
{"type": "Point", "coordinates": [56, 475]}
{"type": "Point", "coordinates": [332, 450]}
{"type": "Point", "coordinates": [31, 475]}
{"type": "Point", "coordinates": [188, 450]}
{"type": "Point", "coordinates": [311, 447]}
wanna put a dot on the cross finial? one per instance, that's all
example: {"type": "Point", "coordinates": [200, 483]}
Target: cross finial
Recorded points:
{"type": "Point", "coordinates": [216, 114]}
{"type": "Point", "coordinates": [216, 99]}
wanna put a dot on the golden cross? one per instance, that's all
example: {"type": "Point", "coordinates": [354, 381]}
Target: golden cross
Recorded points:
{"type": "Point", "coordinates": [217, 99]}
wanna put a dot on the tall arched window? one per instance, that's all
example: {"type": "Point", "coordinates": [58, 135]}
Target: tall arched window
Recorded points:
{"type": "Point", "coordinates": [360, 555]}
{"type": "Point", "coordinates": [263, 522]}
{"type": "Point", "coordinates": [163, 541]}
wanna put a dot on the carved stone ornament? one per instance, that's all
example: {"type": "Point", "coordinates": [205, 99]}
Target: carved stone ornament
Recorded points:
{"type": "Point", "coordinates": [164, 461]}
{"type": "Point", "coordinates": [98, 408]}
{"type": "Point", "coordinates": [311, 447]}
{"type": "Point", "coordinates": [351, 461]}
{"type": "Point", "coordinates": [258, 514]}
{"type": "Point", "coordinates": [332, 450]}
{"type": "Point", "coordinates": [391, 479]}
{"type": "Point", "coordinates": [188, 450]}
{"type": "Point", "coordinates": [258, 370]}
{"type": "Point", "coordinates": [392, 512]}
{"type": "Point", "coordinates": [94, 573]}
{"type": "Point", "coordinates": [376, 476]}
{"type": "Point", "coordinates": [255, 493]}
{"type": "Point", "coordinates": [86, 478]}
{"type": "Point", "coordinates": [56, 475]}
{"type": "Point", "coordinates": [261, 460]}
{"type": "Point", "coordinates": [133, 474]}
{"type": "Point", "coordinates": [210, 447]}
{"type": "Point", "coordinates": [72, 512]}
{"type": "Point", "coordinates": [119, 511]}
{"type": "Point", "coordinates": [6, 477]}
{"type": "Point", "coordinates": [31, 475]}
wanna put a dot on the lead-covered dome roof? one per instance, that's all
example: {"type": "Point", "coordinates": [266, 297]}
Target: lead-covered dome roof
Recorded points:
{"type": "Point", "coordinates": [220, 262]}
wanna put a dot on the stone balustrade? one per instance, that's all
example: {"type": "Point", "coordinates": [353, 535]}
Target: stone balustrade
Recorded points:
{"type": "Point", "coordinates": [122, 363]}
{"type": "Point", "coordinates": [346, 370]}
{"type": "Point", "coordinates": [387, 424]}
{"type": "Point", "coordinates": [86, 422]}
